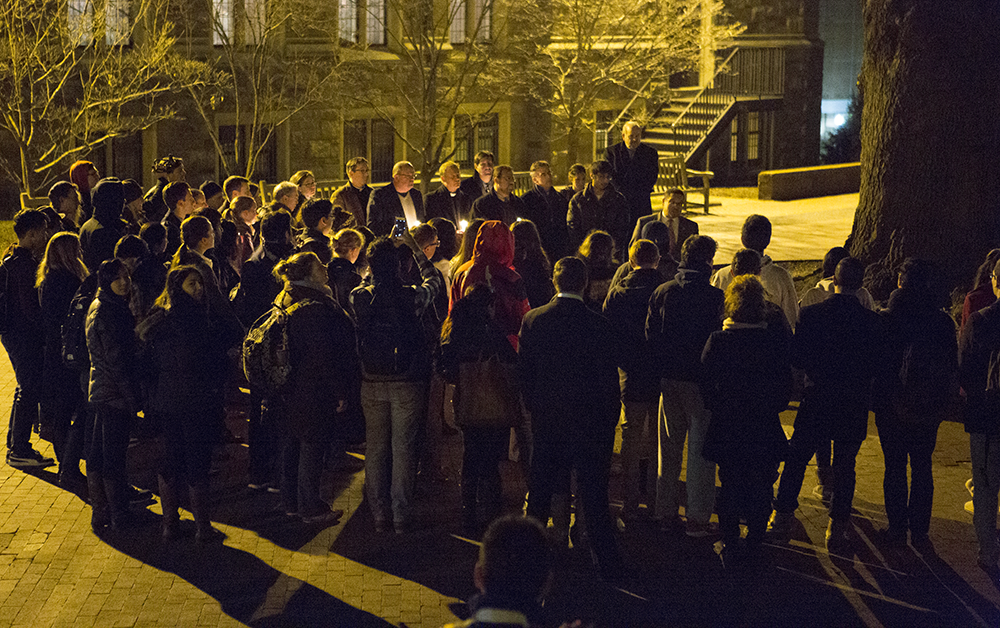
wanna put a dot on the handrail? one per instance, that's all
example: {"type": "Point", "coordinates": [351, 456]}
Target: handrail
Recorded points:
{"type": "Point", "coordinates": [722, 65]}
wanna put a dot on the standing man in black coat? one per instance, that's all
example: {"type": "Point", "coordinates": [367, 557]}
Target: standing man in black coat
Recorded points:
{"type": "Point", "coordinates": [599, 206]}
{"type": "Point", "coordinates": [449, 201]}
{"type": "Point", "coordinates": [838, 345]}
{"type": "Point", "coordinates": [481, 183]}
{"type": "Point", "coordinates": [547, 208]}
{"type": "Point", "coordinates": [636, 167]}
{"type": "Point", "coordinates": [569, 378]}
{"type": "Point", "coordinates": [501, 203]}
{"type": "Point", "coordinates": [399, 199]}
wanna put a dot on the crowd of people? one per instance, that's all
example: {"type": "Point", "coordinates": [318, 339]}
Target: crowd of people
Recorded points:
{"type": "Point", "coordinates": [549, 318]}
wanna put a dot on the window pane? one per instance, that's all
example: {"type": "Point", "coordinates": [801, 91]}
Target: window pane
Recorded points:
{"type": "Point", "coordinates": [456, 11]}
{"type": "Point", "coordinates": [265, 165]}
{"type": "Point", "coordinates": [463, 138]}
{"type": "Point", "coordinates": [602, 137]}
{"type": "Point", "coordinates": [483, 19]}
{"type": "Point", "coordinates": [487, 134]}
{"type": "Point", "coordinates": [222, 27]}
{"type": "Point", "coordinates": [117, 29]}
{"type": "Point", "coordinates": [355, 139]}
{"type": "Point", "coordinates": [80, 17]}
{"type": "Point", "coordinates": [256, 20]}
{"type": "Point", "coordinates": [753, 135]}
{"type": "Point", "coordinates": [376, 22]}
{"type": "Point", "coordinates": [383, 150]}
{"type": "Point", "coordinates": [734, 136]}
{"type": "Point", "coordinates": [349, 20]}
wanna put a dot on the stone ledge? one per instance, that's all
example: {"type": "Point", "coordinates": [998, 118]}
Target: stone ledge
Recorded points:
{"type": "Point", "coordinates": [795, 183]}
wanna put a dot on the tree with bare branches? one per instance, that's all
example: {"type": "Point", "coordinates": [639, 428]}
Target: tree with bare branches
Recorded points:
{"type": "Point", "coordinates": [277, 59]}
{"type": "Point", "coordinates": [617, 49]}
{"type": "Point", "coordinates": [75, 74]}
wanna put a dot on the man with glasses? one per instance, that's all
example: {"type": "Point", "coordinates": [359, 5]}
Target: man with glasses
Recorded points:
{"type": "Point", "coordinates": [396, 200]}
{"type": "Point", "coordinates": [351, 200]}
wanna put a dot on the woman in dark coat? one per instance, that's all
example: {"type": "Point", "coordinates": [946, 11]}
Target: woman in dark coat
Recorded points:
{"type": "Point", "coordinates": [470, 334]}
{"type": "Point", "coordinates": [532, 263]}
{"type": "Point", "coordinates": [59, 276]}
{"type": "Point", "coordinates": [747, 384]}
{"type": "Point", "coordinates": [112, 393]}
{"type": "Point", "coordinates": [184, 350]}
{"type": "Point", "coordinates": [342, 275]}
{"type": "Point", "coordinates": [324, 361]}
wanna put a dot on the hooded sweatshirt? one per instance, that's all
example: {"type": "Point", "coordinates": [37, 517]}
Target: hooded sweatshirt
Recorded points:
{"type": "Point", "coordinates": [492, 264]}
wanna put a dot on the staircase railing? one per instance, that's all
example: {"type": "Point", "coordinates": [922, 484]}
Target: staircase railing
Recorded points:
{"type": "Point", "coordinates": [706, 101]}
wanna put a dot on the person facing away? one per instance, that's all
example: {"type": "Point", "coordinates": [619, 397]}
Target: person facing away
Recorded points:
{"type": "Point", "coordinates": [777, 281]}
{"type": "Point", "coordinates": [100, 234]}
{"type": "Point", "coordinates": [568, 370]}
{"type": "Point", "coordinates": [824, 288]}
{"type": "Point", "coordinates": [838, 344]}
{"type": "Point", "coordinates": [531, 261]}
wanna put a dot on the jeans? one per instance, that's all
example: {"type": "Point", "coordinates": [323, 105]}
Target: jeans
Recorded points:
{"type": "Point", "coordinates": [392, 423]}
{"type": "Point", "coordinates": [683, 414]}
{"type": "Point", "coordinates": [483, 450]}
{"type": "Point", "coordinates": [301, 470]}
{"type": "Point", "coordinates": [640, 421]}
{"type": "Point", "coordinates": [25, 354]}
{"type": "Point", "coordinates": [810, 438]}
{"type": "Point", "coordinates": [746, 490]}
{"type": "Point", "coordinates": [911, 442]}
{"type": "Point", "coordinates": [985, 450]}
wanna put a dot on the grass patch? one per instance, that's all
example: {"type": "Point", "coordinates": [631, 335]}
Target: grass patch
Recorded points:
{"type": "Point", "coordinates": [7, 236]}
{"type": "Point", "coordinates": [744, 193]}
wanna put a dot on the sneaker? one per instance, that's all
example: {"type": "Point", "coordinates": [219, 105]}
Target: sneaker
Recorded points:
{"type": "Point", "coordinates": [700, 530]}
{"type": "Point", "coordinates": [780, 523]}
{"type": "Point", "coordinates": [139, 496]}
{"type": "Point", "coordinates": [28, 459]}
{"type": "Point", "coordinates": [837, 535]}
{"type": "Point", "coordinates": [328, 517]}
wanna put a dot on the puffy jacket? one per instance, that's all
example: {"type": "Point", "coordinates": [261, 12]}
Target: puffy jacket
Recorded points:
{"type": "Point", "coordinates": [683, 313]}
{"type": "Point", "coordinates": [111, 342]}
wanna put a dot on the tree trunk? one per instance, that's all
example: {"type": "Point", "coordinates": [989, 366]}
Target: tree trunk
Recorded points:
{"type": "Point", "coordinates": [930, 177]}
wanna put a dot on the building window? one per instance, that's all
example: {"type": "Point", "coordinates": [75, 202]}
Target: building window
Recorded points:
{"type": "Point", "coordinates": [239, 22]}
{"type": "Point", "coordinates": [376, 22]}
{"type": "Point", "coordinates": [474, 135]}
{"type": "Point", "coordinates": [349, 20]}
{"type": "Point", "coordinates": [482, 19]}
{"type": "Point", "coordinates": [753, 136]}
{"type": "Point", "coordinates": [734, 139]}
{"type": "Point", "coordinates": [117, 22]}
{"type": "Point", "coordinates": [464, 26]}
{"type": "Point", "coordinates": [223, 22]}
{"type": "Point", "coordinates": [456, 11]}
{"type": "Point", "coordinates": [256, 21]}
{"type": "Point", "coordinates": [375, 140]}
{"type": "Point", "coordinates": [235, 146]}
{"type": "Point", "coordinates": [602, 136]}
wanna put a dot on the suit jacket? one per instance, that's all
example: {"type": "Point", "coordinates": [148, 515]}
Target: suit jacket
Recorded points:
{"type": "Point", "coordinates": [350, 206]}
{"type": "Point", "coordinates": [490, 207]}
{"type": "Point", "coordinates": [473, 187]}
{"type": "Point", "coordinates": [384, 207]}
{"type": "Point", "coordinates": [634, 176]}
{"type": "Point", "coordinates": [685, 229]}
{"type": "Point", "coordinates": [548, 211]}
{"type": "Point", "coordinates": [569, 358]}
{"type": "Point", "coordinates": [441, 204]}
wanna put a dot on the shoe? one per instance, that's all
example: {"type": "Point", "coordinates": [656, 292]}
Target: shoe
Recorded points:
{"type": "Point", "coordinates": [671, 525]}
{"type": "Point", "coordinates": [823, 492]}
{"type": "Point", "coordinates": [72, 480]}
{"type": "Point", "coordinates": [921, 542]}
{"type": "Point", "coordinates": [780, 523]}
{"type": "Point", "coordinates": [329, 517]}
{"type": "Point", "coordinates": [139, 497]}
{"type": "Point", "coordinates": [838, 535]}
{"type": "Point", "coordinates": [209, 535]}
{"type": "Point", "coordinates": [381, 525]}
{"type": "Point", "coordinates": [733, 556]}
{"type": "Point", "coordinates": [700, 530]}
{"type": "Point", "coordinates": [28, 459]}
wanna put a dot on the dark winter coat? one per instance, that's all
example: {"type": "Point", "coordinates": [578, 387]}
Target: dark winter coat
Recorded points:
{"type": "Point", "coordinates": [748, 382]}
{"type": "Point", "coordinates": [343, 278]}
{"type": "Point", "coordinates": [258, 287]}
{"type": "Point", "coordinates": [979, 371]}
{"type": "Point", "coordinates": [492, 207]}
{"type": "Point", "coordinates": [838, 343]}
{"type": "Point", "coordinates": [112, 347]}
{"type": "Point", "coordinates": [548, 211]}
{"type": "Point", "coordinates": [609, 213]}
{"type": "Point", "coordinates": [634, 176]}
{"type": "Point", "coordinates": [100, 234]}
{"type": "Point", "coordinates": [18, 277]}
{"type": "Point", "coordinates": [54, 296]}
{"type": "Point", "coordinates": [384, 207]}
{"type": "Point", "coordinates": [626, 307]}
{"type": "Point", "coordinates": [537, 278]}
{"type": "Point", "coordinates": [317, 242]}
{"type": "Point", "coordinates": [683, 313]}
{"type": "Point", "coordinates": [442, 204]}
{"type": "Point", "coordinates": [324, 361]}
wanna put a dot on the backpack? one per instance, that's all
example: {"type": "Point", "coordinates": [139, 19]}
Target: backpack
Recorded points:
{"type": "Point", "coordinates": [392, 338]}
{"type": "Point", "coordinates": [266, 360]}
{"type": "Point", "coordinates": [75, 355]}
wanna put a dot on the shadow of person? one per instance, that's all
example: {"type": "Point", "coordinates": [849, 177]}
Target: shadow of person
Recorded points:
{"type": "Point", "coordinates": [242, 584]}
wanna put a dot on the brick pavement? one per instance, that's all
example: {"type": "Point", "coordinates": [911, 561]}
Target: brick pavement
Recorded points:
{"type": "Point", "coordinates": [269, 572]}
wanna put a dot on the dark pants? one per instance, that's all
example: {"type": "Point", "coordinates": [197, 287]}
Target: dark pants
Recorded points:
{"type": "Point", "coordinates": [107, 457]}
{"type": "Point", "coordinates": [484, 448]}
{"type": "Point", "coordinates": [553, 455]}
{"type": "Point", "coordinates": [902, 443]}
{"type": "Point", "coordinates": [188, 442]}
{"type": "Point", "coordinates": [745, 491]}
{"type": "Point", "coordinates": [26, 358]}
{"type": "Point", "coordinates": [262, 438]}
{"type": "Point", "coordinates": [301, 471]}
{"type": "Point", "coordinates": [810, 438]}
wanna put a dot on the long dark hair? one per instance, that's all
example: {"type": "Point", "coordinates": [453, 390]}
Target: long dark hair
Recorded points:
{"type": "Point", "coordinates": [528, 244]}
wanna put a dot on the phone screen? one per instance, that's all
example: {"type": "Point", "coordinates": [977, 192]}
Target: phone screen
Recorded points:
{"type": "Point", "coordinates": [399, 228]}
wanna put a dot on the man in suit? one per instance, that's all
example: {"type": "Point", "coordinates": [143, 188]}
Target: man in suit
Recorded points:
{"type": "Point", "coordinates": [547, 208]}
{"type": "Point", "coordinates": [569, 378]}
{"type": "Point", "coordinates": [481, 183]}
{"type": "Point", "coordinates": [399, 199]}
{"type": "Point", "coordinates": [501, 203]}
{"type": "Point", "coordinates": [837, 344]}
{"type": "Point", "coordinates": [449, 201]}
{"type": "Point", "coordinates": [351, 199]}
{"type": "Point", "coordinates": [635, 168]}
{"type": "Point", "coordinates": [681, 228]}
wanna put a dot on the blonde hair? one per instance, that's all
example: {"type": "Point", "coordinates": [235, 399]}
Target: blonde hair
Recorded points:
{"type": "Point", "coordinates": [63, 252]}
{"type": "Point", "coordinates": [297, 267]}
{"type": "Point", "coordinates": [346, 240]}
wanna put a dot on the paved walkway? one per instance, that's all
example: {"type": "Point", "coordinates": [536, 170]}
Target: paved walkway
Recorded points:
{"type": "Point", "coordinates": [271, 572]}
{"type": "Point", "coordinates": [801, 230]}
